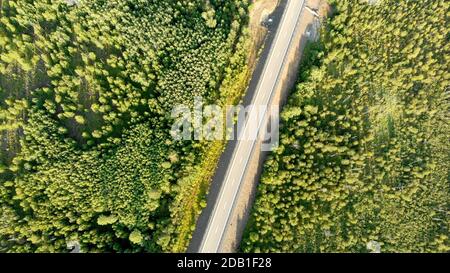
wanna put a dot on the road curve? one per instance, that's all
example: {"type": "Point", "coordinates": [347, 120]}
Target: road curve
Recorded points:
{"type": "Point", "coordinates": [216, 226]}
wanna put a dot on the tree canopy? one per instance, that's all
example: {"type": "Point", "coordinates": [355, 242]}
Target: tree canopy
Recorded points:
{"type": "Point", "coordinates": [364, 150]}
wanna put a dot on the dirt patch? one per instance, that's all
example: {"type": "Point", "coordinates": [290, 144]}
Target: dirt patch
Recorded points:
{"type": "Point", "coordinates": [307, 30]}
{"type": "Point", "coordinates": [325, 9]}
{"type": "Point", "coordinates": [259, 12]}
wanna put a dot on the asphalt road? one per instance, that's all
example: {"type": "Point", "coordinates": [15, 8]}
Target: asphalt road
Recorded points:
{"type": "Point", "coordinates": [243, 150]}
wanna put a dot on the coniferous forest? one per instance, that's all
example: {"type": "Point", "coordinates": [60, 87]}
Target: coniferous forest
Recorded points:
{"type": "Point", "coordinates": [86, 90]}
{"type": "Point", "coordinates": [364, 156]}
{"type": "Point", "coordinates": [88, 161]}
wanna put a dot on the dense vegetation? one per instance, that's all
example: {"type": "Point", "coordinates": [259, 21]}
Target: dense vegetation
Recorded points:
{"type": "Point", "coordinates": [363, 161]}
{"type": "Point", "coordinates": [86, 89]}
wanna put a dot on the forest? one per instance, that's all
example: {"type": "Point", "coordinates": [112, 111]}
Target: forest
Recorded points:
{"type": "Point", "coordinates": [364, 155]}
{"type": "Point", "coordinates": [86, 89]}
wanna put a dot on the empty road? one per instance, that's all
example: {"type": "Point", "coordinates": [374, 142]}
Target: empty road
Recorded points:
{"type": "Point", "coordinates": [224, 204]}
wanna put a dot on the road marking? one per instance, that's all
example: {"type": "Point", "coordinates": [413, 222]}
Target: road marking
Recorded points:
{"type": "Point", "coordinates": [215, 244]}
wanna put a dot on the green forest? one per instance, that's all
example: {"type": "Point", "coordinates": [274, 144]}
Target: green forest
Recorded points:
{"type": "Point", "coordinates": [364, 154]}
{"type": "Point", "coordinates": [86, 90]}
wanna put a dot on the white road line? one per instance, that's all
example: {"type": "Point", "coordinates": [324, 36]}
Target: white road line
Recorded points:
{"type": "Point", "coordinates": [274, 62]}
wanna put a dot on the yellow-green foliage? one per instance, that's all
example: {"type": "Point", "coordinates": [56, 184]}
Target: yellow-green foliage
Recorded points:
{"type": "Point", "coordinates": [86, 91]}
{"type": "Point", "coordinates": [364, 154]}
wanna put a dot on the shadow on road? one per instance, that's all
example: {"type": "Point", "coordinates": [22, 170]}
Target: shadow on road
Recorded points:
{"type": "Point", "coordinates": [225, 159]}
